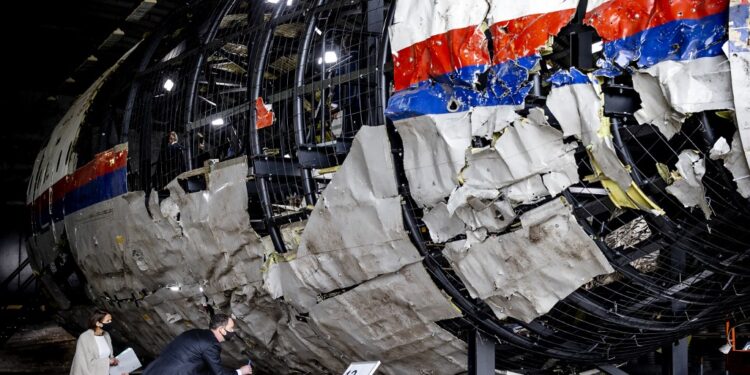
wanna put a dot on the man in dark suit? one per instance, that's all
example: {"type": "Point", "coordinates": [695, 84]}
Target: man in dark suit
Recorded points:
{"type": "Point", "coordinates": [197, 351]}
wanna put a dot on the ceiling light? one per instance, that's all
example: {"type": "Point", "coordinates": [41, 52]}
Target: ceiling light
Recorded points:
{"type": "Point", "coordinates": [218, 122]}
{"type": "Point", "coordinates": [168, 84]}
{"type": "Point", "coordinates": [174, 288]}
{"type": "Point", "coordinates": [317, 30]}
{"type": "Point", "coordinates": [329, 57]}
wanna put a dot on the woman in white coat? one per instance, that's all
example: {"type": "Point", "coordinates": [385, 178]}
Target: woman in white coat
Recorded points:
{"type": "Point", "coordinates": [94, 347]}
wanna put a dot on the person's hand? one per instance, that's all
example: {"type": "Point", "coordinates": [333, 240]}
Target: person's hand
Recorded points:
{"type": "Point", "coordinates": [113, 362]}
{"type": "Point", "coordinates": [246, 370]}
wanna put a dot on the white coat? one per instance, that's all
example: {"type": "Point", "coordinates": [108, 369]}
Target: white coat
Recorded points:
{"type": "Point", "coordinates": [86, 360]}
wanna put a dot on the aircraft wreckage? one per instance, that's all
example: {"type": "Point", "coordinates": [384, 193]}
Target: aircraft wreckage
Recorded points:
{"type": "Point", "coordinates": [377, 180]}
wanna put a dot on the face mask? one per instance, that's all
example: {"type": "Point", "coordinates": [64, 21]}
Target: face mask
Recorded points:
{"type": "Point", "coordinates": [105, 326]}
{"type": "Point", "coordinates": [229, 335]}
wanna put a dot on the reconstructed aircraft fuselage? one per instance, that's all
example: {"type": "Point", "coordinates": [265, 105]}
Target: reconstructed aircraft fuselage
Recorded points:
{"type": "Point", "coordinates": [376, 180]}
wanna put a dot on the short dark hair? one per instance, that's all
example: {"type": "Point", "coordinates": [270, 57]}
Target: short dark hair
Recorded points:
{"type": "Point", "coordinates": [96, 317]}
{"type": "Point", "coordinates": [218, 320]}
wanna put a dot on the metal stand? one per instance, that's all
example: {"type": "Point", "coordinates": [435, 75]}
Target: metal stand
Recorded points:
{"type": "Point", "coordinates": [481, 354]}
{"type": "Point", "coordinates": [675, 358]}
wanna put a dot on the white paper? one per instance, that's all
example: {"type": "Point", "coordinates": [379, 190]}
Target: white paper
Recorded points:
{"type": "Point", "coordinates": [128, 362]}
{"type": "Point", "coordinates": [362, 368]}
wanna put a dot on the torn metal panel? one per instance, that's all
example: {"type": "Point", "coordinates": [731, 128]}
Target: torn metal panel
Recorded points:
{"type": "Point", "coordinates": [655, 109]}
{"type": "Point", "coordinates": [739, 61]}
{"type": "Point", "coordinates": [480, 209]}
{"type": "Point", "coordinates": [434, 153]}
{"type": "Point", "coordinates": [280, 280]}
{"type": "Point", "coordinates": [521, 31]}
{"type": "Point", "coordinates": [442, 224]}
{"type": "Point", "coordinates": [515, 156]}
{"type": "Point", "coordinates": [520, 148]}
{"type": "Point", "coordinates": [523, 274]}
{"type": "Point", "coordinates": [122, 248]}
{"type": "Point", "coordinates": [736, 163]}
{"type": "Point", "coordinates": [355, 231]}
{"type": "Point", "coordinates": [529, 190]}
{"type": "Point", "coordinates": [522, 28]}
{"type": "Point", "coordinates": [688, 186]}
{"type": "Point", "coordinates": [671, 90]}
{"type": "Point", "coordinates": [301, 338]}
{"type": "Point", "coordinates": [488, 121]}
{"type": "Point", "coordinates": [719, 149]}
{"type": "Point", "coordinates": [575, 101]}
{"type": "Point", "coordinates": [365, 319]}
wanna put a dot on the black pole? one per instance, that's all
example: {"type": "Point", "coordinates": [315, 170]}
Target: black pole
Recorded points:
{"type": "Point", "coordinates": [481, 354]}
{"type": "Point", "coordinates": [260, 57]}
{"type": "Point", "coordinates": [308, 183]}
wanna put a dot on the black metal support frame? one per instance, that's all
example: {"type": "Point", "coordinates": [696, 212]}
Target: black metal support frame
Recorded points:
{"type": "Point", "coordinates": [259, 58]}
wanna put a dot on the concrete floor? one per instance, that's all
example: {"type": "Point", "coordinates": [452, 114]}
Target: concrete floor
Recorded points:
{"type": "Point", "coordinates": [40, 349]}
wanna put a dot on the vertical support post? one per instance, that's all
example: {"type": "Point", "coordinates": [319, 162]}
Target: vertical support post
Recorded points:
{"type": "Point", "coordinates": [675, 357]}
{"type": "Point", "coordinates": [481, 354]}
{"type": "Point", "coordinates": [675, 360]}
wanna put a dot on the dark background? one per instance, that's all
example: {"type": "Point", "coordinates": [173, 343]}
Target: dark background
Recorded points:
{"type": "Point", "coordinates": [48, 42]}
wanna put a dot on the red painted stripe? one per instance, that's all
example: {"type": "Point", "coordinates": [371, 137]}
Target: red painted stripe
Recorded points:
{"type": "Point", "coordinates": [524, 36]}
{"type": "Point", "coordinates": [618, 19]}
{"type": "Point", "coordinates": [103, 163]}
{"type": "Point", "coordinates": [451, 51]}
{"type": "Point", "coordinates": [438, 55]}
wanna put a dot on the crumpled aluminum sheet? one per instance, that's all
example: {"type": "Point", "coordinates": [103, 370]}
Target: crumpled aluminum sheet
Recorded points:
{"type": "Point", "coordinates": [442, 224]}
{"type": "Point", "coordinates": [519, 156]}
{"type": "Point", "coordinates": [355, 232]}
{"type": "Point", "coordinates": [434, 153]}
{"type": "Point", "coordinates": [576, 104]}
{"type": "Point", "coordinates": [123, 248]}
{"type": "Point", "coordinates": [523, 274]}
{"type": "Point", "coordinates": [510, 172]}
{"type": "Point", "coordinates": [672, 90]}
{"type": "Point", "coordinates": [386, 317]}
{"type": "Point", "coordinates": [687, 186]}
{"type": "Point", "coordinates": [735, 162]}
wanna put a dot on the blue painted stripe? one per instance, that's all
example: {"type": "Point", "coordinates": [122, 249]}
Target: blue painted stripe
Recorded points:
{"type": "Point", "coordinates": [677, 40]}
{"type": "Point", "coordinates": [99, 189]}
{"type": "Point", "coordinates": [102, 188]}
{"type": "Point", "coordinates": [507, 85]}
{"type": "Point", "coordinates": [568, 77]}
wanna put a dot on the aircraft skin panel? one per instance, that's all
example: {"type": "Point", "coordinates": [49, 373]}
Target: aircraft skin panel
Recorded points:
{"type": "Point", "coordinates": [101, 179]}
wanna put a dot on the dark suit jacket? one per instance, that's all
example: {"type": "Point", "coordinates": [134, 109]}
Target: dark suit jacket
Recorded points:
{"type": "Point", "coordinates": [192, 352]}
